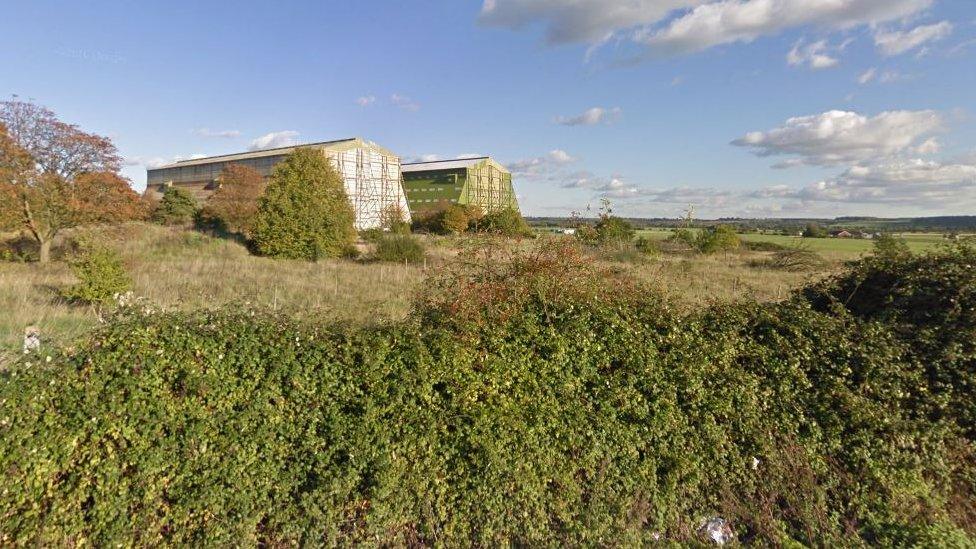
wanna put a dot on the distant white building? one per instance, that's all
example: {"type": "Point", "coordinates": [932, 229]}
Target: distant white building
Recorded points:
{"type": "Point", "coordinates": [371, 174]}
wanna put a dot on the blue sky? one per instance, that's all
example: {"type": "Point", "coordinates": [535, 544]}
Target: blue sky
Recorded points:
{"type": "Point", "coordinates": [766, 108]}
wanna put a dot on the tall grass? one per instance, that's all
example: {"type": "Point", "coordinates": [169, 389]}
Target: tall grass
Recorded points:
{"type": "Point", "coordinates": [180, 269]}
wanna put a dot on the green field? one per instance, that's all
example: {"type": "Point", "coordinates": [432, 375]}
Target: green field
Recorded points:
{"type": "Point", "coordinates": [832, 248]}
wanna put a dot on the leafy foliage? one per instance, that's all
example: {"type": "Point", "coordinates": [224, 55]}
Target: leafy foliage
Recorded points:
{"type": "Point", "coordinates": [453, 219]}
{"type": "Point", "coordinates": [54, 176]}
{"type": "Point", "coordinates": [394, 219]}
{"type": "Point", "coordinates": [399, 248]}
{"type": "Point", "coordinates": [721, 238]}
{"type": "Point", "coordinates": [532, 399]}
{"type": "Point", "coordinates": [930, 300]}
{"type": "Point", "coordinates": [814, 230]}
{"type": "Point", "coordinates": [177, 207]}
{"type": "Point", "coordinates": [305, 213]}
{"type": "Point", "coordinates": [504, 222]}
{"type": "Point", "coordinates": [234, 207]}
{"type": "Point", "coordinates": [889, 245]}
{"type": "Point", "coordinates": [101, 275]}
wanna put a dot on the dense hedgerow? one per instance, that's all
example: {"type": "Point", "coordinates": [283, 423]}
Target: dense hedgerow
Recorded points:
{"type": "Point", "coordinates": [530, 400]}
{"type": "Point", "coordinates": [930, 301]}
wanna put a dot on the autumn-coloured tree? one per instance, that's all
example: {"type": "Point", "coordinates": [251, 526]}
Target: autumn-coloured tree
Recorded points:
{"type": "Point", "coordinates": [54, 176]}
{"type": "Point", "coordinates": [235, 204]}
{"type": "Point", "coordinates": [106, 197]}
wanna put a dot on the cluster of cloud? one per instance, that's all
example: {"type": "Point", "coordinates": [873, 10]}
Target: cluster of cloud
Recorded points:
{"type": "Point", "coordinates": [548, 167]}
{"type": "Point", "coordinates": [815, 56]}
{"type": "Point", "coordinates": [885, 159]}
{"type": "Point", "coordinates": [274, 140]}
{"type": "Point", "coordinates": [669, 27]}
{"type": "Point", "coordinates": [842, 137]}
{"type": "Point", "coordinates": [913, 182]}
{"type": "Point", "coordinates": [591, 117]}
{"type": "Point", "coordinates": [891, 43]}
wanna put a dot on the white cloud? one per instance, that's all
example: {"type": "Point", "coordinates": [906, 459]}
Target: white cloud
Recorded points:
{"type": "Point", "coordinates": [404, 102]}
{"type": "Point", "coordinates": [840, 137]}
{"type": "Point", "coordinates": [685, 26]}
{"type": "Point", "coordinates": [730, 21]}
{"type": "Point", "coordinates": [463, 156]}
{"type": "Point", "coordinates": [867, 76]}
{"type": "Point", "coordinates": [207, 132]}
{"type": "Point", "coordinates": [274, 140]}
{"type": "Point", "coordinates": [545, 167]}
{"type": "Point", "coordinates": [579, 21]}
{"type": "Point", "coordinates": [591, 117]}
{"type": "Point", "coordinates": [365, 100]}
{"type": "Point", "coordinates": [913, 182]}
{"type": "Point", "coordinates": [812, 55]}
{"type": "Point", "coordinates": [898, 42]}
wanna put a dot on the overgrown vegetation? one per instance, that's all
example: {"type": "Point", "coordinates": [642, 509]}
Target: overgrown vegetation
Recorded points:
{"type": "Point", "coordinates": [176, 207]}
{"type": "Point", "coordinates": [720, 238]}
{"type": "Point", "coordinates": [531, 399]}
{"type": "Point", "coordinates": [101, 276]}
{"type": "Point", "coordinates": [399, 248]}
{"type": "Point", "coordinates": [930, 301]}
{"type": "Point", "coordinates": [505, 222]}
{"type": "Point", "coordinates": [234, 207]}
{"type": "Point", "coordinates": [304, 213]}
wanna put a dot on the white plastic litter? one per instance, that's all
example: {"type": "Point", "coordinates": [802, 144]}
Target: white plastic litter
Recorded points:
{"type": "Point", "coordinates": [717, 529]}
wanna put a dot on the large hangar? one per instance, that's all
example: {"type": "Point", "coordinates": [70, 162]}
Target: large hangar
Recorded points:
{"type": "Point", "coordinates": [480, 182]}
{"type": "Point", "coordinates": [371, 174]}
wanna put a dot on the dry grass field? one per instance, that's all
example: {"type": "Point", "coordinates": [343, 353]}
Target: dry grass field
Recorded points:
{"type": "Point", "coordinates": [184, 269]}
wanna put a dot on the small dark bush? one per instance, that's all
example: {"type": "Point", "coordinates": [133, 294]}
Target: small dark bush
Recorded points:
{"type": "Point", "coordinates": [19, 249]}
{"type": "Point", "coordinates": [796, 259]}
{"type": "Point", "coordinates": [400, 248]}
{"type": "Point", "coordinates": [763, 246]}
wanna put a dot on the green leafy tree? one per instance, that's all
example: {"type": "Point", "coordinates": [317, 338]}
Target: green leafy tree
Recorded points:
{"type": "Point", "coordinates": [305, 213]}
{"type": "Point", "coordinates": [177, 207]}
{"type": "Point", "coordinates": [717, 239]}
{"type": "Point", "coordinates": [814, 230]}
{"type": "Point", "coordinates": [101, 276]}
{"type": "Point", "coordinates": [888, 245]}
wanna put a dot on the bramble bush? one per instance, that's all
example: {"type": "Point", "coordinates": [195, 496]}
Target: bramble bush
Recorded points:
{"type": "Point", "coordinates": [530, 399]}
{"type": "Point", "coordinates": [929, 300]}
